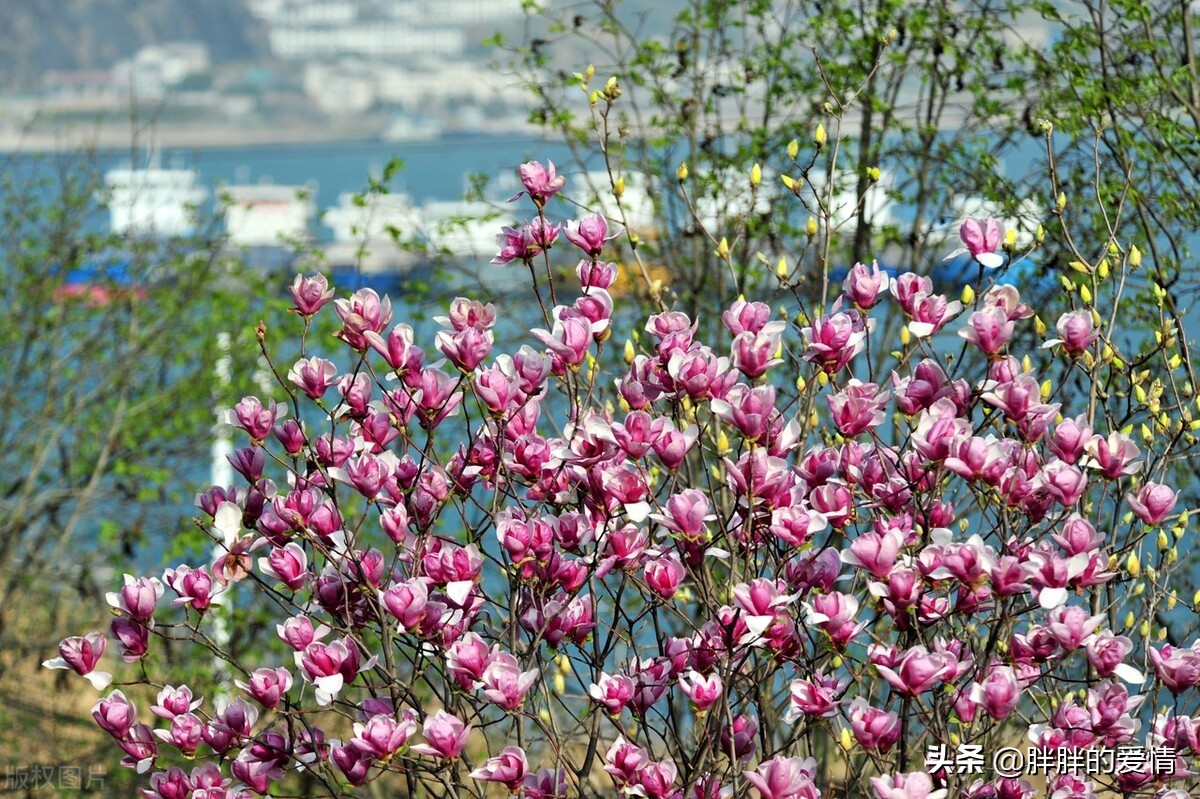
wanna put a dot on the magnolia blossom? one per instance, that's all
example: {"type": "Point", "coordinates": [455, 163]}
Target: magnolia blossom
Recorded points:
{"type": "Point", "coordinates": [81, 654]}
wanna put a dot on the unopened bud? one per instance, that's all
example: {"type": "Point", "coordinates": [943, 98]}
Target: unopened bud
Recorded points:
{"type": "Point", "coordinates": [781, 268]}
{"type": "Point", "coordinates": [723, 248]}
{"type": "Point", "coordinates": [755, 175]}
{"type": "Point", "coordinates": [1135, 257]}
{"type": "Point", "coordinates": [629, 351]}
{"type": "Point", "coordinates": [681, 172]}
{"type": "Point", "coordinates": [1133, 565]}
{"type": "Point", "coordinates": [968, 294]}
{"type": "Point", "coordinates": [619, 187]}
{"type": "Point", "coordinates": [810, 227]}
{"type": "Point", "coordinates": [1061, 201]}
{"type": "Point", "coordinates": [820, 136]}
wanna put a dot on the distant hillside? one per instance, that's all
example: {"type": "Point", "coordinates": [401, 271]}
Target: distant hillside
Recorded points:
{"type": "Point", "coordinates": [37, 35]}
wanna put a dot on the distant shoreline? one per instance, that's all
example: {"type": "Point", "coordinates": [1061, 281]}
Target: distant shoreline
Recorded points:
{"type": "Point", "coordinates": [169, 137]}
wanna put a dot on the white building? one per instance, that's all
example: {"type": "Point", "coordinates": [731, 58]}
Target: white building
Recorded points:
{"type": "Point", "coordinates": [366, 39]}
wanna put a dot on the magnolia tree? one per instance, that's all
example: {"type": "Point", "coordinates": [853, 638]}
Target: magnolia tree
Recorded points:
{"type": "Point", "coordinates": [795, 561]}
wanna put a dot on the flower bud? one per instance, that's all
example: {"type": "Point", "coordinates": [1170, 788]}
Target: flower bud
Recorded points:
{"type": "Point", "coordinates": [1135, 257]}
{"type": "Point", "coordinates": [793, 149]}
{"type": "Point", "coordinates": [755, 175]}
{"type": "Point", "coordinates": [820, 136]}
{"type": "Point", "coordinates": [810, 227]}
{"type": "Point", "coordinates": [681, 172]}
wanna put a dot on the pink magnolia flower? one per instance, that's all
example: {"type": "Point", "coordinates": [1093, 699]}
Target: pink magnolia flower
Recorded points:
{"type": "Point", "coordinates": [863, 285]}
{"type": "Point", "coordinates": [250, 415]}
{"type": "Point", "coordinates": [329, 667]}
{"type": "Point", "coordinates": [352, 761]}
{"type": "Point", "coordinates": [267, 686]}
{"type": "Point", "coordinates": [915, 785]}
{"type": "Point", "coordinates": [697, 371]}
{"type": "Point", "coordinates": [540, 182]}
{"type": "Point", "coordinates": [310, 294]}
{"type": "Point", "coordinates": [876, 552]}
{"type": "Point", "coordinates": [504, 683]}
{"type": "Point", "coordinates": [184, 733]}
{"type": "Point", "coordinates": [397, 349]}
{"type": "Point", "coordinates": [313, 376]}
{"type": "Point", "coordinates": [664, 574]}
{"type": "Point", "coordinates": [928, 312]}
{"type": "Point", "coordinates": [785, 778]}
{"type": "Point", "coordinates": [857, 408]}
{"type": "Point", "coordinates": [1153, 502]}
{"type": "Point", "coordinates": [288, 564]}
{"type": "Point", "coordinates": [657, 780]}
{"type": "Point", "coordinates": [999, 692]}
{"type": "Point", "coordinates": [466, 348]}
{"type": "Point", "coordinates": [835, 613]}
{"type": "Point", "coordinates": [1075, 332]}
{"type": "Point", "coordinates": [546, 783]}
{"type": "Point", "coordinates": [589, 234]}
{"type": "Point", "coordinates": [624, 761]}
{"type": "Point", "coordinates": [753, 353]}
{"type": "Point", "coordinates": [703, 691]}
{"type": "Point", "coordinates": [1107, 651]}
{"type": "Point", "coordinates": [115, 714]}
{"type": "Point", "coordinates": [445, 736]}
{"type": "Point", "coordinates": [383, 735]}
{"type": "Point", "coordinates": [981, 240]}
{"type": "Point", "coordinates": [613, 692]}
{"type": "Point", "coordinates": [873, 728]}
{"type": "Point", "coordinates": [817, 697]}
{"type": "Point", "coordinates": [364, 311]}
{"type": "Point", "coordinates": [746, 317]}
{"type": "Point", "coordinates": [1177, 669]}
{"type": "Point", "coordinates": [172, 701]}
{"type": "Point", "coordinates": [918, 670]}
{"type": "Point", "coordinates": [525, 243]}
{"type": "Point", "coordinates": [507, 768]}
{"type": "Point", "coordinates": [467, 658]}
{"type": "Point", "coordinates": [137, 598]}
{"type": "Point", "coordinates": [595, 274]}
{"type": "Point", "coordinates": [81, 654]}
{"type": "Point", "coordinates": [750, 410]}
{"type": "Point", "coordinates": [1071, 626]}
{"type": "Point", "coordinates": [1114, 457]}
{"type": "Point", "coordinates": [1070, 438]}
{"type": "Point", "coordinates": [569, 339]}
{"type": "Point", "coordinates": [833, 340]}
{"type": "Point", "coordinates": [1063, 481]}
{"type": "Point", "coordinates": [989, 329]}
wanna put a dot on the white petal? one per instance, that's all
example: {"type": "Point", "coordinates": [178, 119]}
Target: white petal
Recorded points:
{"type": "Point", "coordinates": [638, 511]}
{"type": "Point", "coordinates": [99, 679]}
{"type": "Point", "coordinates": [1129, 674]}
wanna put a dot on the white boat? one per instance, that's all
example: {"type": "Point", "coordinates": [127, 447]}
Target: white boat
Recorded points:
{"type": "Point", "coordinates": [267, 215]}
{"type": "Point", "coordinates": [369, 231]}
{"type": "Point", "coordinates": [153, 202]}
{"type": "Point", "coordinates": [463, 229]}
{"type": "Point", "coordinates": [372, 218]}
